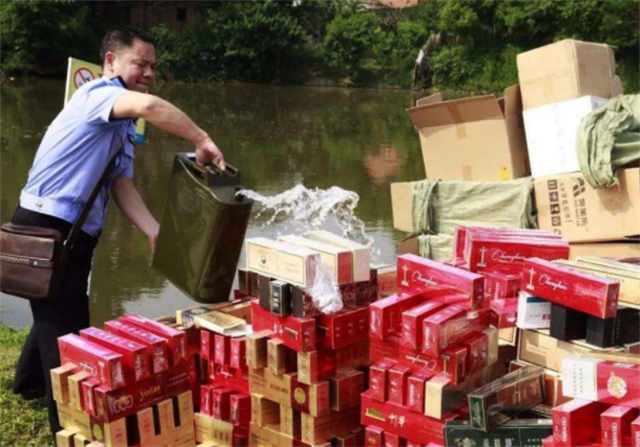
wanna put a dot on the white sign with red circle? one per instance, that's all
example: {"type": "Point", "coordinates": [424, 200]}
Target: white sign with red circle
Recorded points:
{"type": "Point", "coordinates": [82, 76]}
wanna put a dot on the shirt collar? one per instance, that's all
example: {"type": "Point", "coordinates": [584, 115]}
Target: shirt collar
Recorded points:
{"type": "Point", "coordinates": [118, 80]}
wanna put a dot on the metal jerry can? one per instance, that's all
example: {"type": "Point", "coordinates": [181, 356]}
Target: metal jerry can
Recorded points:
{"type": "Point", "coordinates": [202, 229]}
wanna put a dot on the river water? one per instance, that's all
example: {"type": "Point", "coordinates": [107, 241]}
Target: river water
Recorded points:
{"type": "Point", "coordinates": [279, 137]}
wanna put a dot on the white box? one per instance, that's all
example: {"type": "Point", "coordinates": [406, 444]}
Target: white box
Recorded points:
{"type": "Point", "coordinates": [533, 312]}
{"type": "Point", "coordinates": [361, 253]}
{"type": "Point", "coordinates": [579, 378]}
{"type": "Point", "coordinates": [282, 260]}
{"type": "Point", "coordinates": [338, 259]}
{"type": "Point", "coordinates": [552, 133]}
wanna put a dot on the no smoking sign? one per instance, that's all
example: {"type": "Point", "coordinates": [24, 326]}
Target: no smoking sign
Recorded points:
{"type": "Point", "coordinates": [82, 76]}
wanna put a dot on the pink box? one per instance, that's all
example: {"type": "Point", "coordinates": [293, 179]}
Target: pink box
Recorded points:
{"type": "Point", "coordinates": [416, 273]}
{"type": "Point", "coordinates": [586, 293]}
{"type": "Point", "coordinates": [416, 390]}
{"type": "Point", "coordinates": [156, 346]}
{"type": "Point", "coordinates": [378, 378]}
{"type": "Point", "coordinates": [501, 285]}
{"type": "Point", "coordinates": [176, 339]}
{"type": "Point", "coordinates": [88, 399]}
{"type": "Point", "coordinates": [238, 353]}
{"type": "Point", "coordinates": [101, 363]}
{"type": "Point", "coordinates": [221, 355]}
{"type": "Point", "coordinates": [134, 355]}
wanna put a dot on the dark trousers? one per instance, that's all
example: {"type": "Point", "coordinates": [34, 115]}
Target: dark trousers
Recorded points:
{"type": "Point", "coordinates": [69, 313]}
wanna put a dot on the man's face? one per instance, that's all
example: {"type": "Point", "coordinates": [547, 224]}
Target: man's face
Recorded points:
{"type": "Point", "coordinates": [135, 64]}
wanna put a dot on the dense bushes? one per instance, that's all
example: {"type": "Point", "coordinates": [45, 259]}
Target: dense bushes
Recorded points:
{"type": "Point", "coordinates": [303, 40]}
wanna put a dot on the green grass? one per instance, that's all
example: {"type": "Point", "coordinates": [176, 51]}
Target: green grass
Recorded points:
{"type": "Point", "coordinates": [21, 423]}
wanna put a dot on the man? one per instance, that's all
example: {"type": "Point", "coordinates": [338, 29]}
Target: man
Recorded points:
{"type": "Point", "coordinates": [97, 123]}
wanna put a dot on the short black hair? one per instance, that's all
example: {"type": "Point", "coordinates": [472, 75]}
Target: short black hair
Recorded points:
{"type": "Point", "coordinates": [122, 37]}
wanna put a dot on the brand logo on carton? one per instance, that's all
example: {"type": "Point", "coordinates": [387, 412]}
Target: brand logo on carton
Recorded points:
{"type": "Point", "coordinates": [503, 257]}
{"type": "Point", "coordinates": [417, 277]}
{"type": "Point", "coordinates": [564, 432]}
{"type": "Point", "coordinates": [616, 386]}
{"type": "Point", "coordinates": [546, 280]}
{"type": "Point", "coordinates": [123, 403]}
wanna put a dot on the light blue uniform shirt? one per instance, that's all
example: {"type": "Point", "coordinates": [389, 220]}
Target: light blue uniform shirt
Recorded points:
{"type": "Point", "coordinates": [74, 153]}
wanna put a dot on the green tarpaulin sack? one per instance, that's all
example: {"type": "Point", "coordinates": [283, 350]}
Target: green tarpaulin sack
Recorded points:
{"type": "Point", "coordinates": [440, 206]}
{"type": "Point", "coordinates": [608, 138]}
{"type": "Point", "coordinates": [438, 247]}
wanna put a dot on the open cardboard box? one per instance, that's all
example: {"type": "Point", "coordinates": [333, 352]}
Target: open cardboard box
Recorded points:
{"type": "Point", "coordinates": [479, 138]}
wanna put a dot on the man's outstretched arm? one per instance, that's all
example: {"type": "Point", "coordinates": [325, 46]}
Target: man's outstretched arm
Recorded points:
{"type": "Point", "coordinates": [171, 119]}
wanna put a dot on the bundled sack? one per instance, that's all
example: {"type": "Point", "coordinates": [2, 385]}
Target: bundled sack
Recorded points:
{"type": "Point", "coordinates": [438, 207]}
{"type": "Point", "coordinates": [609, 138]}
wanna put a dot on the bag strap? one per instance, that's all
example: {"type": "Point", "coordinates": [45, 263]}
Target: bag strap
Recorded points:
{"type": "Point", "coordinates": [82, 217]}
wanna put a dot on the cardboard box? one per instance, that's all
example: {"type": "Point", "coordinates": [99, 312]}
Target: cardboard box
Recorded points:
{"type": "Point", "coordinates": [338, 259]}
{"type": "Point", "coordinates": [502, 400]}
{"type": "Point", "coordinates": [282, 260]}
{"type": "Point", "coordinates": [552, 133]}
{"type": "Point", "coordinates": [215, 431]}
{"type": "Point", "coordinates": [566, 70]}
{"type": "Point", "coordinates": [64, 438]}
{"type": "Point", "coordinates": [478, 139]}
{"type": "Point", "coordinates": [99, 362]}
{"type": "Point", "coordinates": [257, 354]}
{"type": "Point", "coordinates": [583, 292]}
{"type": "Point", "coordinates": [276, 356]}
{"type": "Point", "coordinates": [605, 250]}
{"type": "Point", "coordinates": [576, 423]}
{"type": "Point", "coordinates": [60, 381]}
{"type": "Point", "coordinates": [539, 348]}
{"type": "Point", "coordinates": [361, 253]}
{"type": "Point", "coordinates": [569, 206]}
{"type": "Point", "coordinates": [290, 422]}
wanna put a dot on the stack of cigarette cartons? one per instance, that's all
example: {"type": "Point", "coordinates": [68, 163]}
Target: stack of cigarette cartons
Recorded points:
{"type": "Point", "coordinates": [223, 404]}
{"type": "Point", "coordinates": [561, 83]}
{"type": "Point", "coordinates": [127, 385]}
{"type": "Point", "coordinates": [605, 405]}
{"type": "Point", "coordinates": [306, 368]}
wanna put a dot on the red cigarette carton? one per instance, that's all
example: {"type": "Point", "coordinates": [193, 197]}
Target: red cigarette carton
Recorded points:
{"type": "Point", "coordinates": [477, 347]}
{"type": "Point", "coordinates": [508, 254]}
{"type": "Point", "coordinates": [205, 399]}
{"type": "Point", "coordinates": [343, 328]}
{"type": "Point", "coordinates": [461, 234]}
{"type": "Point", "coordinates": [615, 426]}
{"type": "Point", "coordinates": [576, 422]}
{"type": "Point", "coordinates": [416, 390]}
{"type": "Point", "coordinates": [298, 334]}
{"type": "Point", "coordinates": [378, 376]}
{"type": "Point", "coordinates": [345, 389]}
{"type": "Point", "coordinates": [221, 403]}
{"type": "Point", "coordinates": [416, 273]}
{"type": "Point", "coordinates": [449, 326]}
{"type": "Point", "coordinates": [635, 433]}
{"type": "Point", "coordinates": [398, 420]}
{"type": "Point", "coordinates": [412, 322]}
{"type": "Point", "coordinates": [176, 339]}
{"type": "Point", "coordinates": [112, 405]}
{"type": "Point", "coordinates": [386, 314]}
{"type": "Point", "coordinates": [156, 346]}
{"type": "Point", "coordinates": [397, 383]}
{"type": "Point", "coordinates": [391, 440]}
{"type": "Point", "coordinates": [240, 409]}
{"type": "Point", "coordinates": [238, 353]}
{"type": "Point", "coordinates": [135, 358]}
{"type": "Point", "coordinates": [502, 285]}
{"type": "Point", "coordinates": [373, 436]}
{"type": "Point", "coordinates": [221, 350]}
{"type": "Point", "coordinates": [581, 291]}
{"type": "Point", "coordinates": [207, 344]}
{"type": "Point", "coordinates": [88, 399]}
{"type": "Point", "coordinates": [225, 376]}
{"type": "Point", "coordinates": [101, 363]}
{"type": "Point", "coordinates": [503, 313]}
{"type": "Point", "coordinates": [454, 361]}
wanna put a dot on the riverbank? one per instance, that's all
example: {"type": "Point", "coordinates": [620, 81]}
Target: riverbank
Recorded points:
{"type": "Point", "coordinates": [22, 423]}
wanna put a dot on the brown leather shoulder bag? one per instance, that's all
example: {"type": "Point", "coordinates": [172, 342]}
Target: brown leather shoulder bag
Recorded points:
{"type": "Point", "coordinates": [33, 259]}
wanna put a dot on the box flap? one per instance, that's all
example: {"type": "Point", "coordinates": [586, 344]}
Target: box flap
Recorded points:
{"type": "Point", "coordinates": [512, 100]}
{"type": "Point", "coordinates": [456, 112]}
{"type": "Point", "coordinates": [431, 99]}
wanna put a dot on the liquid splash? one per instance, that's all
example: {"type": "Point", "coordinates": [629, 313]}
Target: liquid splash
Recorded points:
{"type": "Point", "coordinates": [309, 210]}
